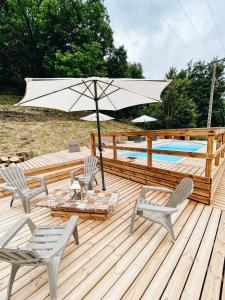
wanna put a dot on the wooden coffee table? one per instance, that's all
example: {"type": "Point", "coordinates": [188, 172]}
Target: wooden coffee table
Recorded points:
{"type": "Point", "coordinates": [96, 204]}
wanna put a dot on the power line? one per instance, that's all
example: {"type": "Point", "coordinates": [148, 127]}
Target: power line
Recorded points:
{"type": "Point", "coordinates": [214, 21]}
{"type": "Point", "coordinates": [174, 32]}
{"type": "Point", "coordinates": [194, 28]}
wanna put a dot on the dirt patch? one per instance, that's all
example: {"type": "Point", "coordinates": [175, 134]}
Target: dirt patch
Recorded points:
{"type": "Point", "coordinates": [42, 130]}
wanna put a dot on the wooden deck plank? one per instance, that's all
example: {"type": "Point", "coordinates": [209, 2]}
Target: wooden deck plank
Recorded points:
{"type": "Point", "coordinates": [196, 277]}
{"type": "Point", "coordinates": [110, 264]}
{"type": "Point", "coordinates": [213, 281]}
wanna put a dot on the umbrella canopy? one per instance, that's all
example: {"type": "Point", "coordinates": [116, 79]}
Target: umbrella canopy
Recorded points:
{"type": "Point", "coordinates": [93, 118]}
{"type": "Point", "coordinates": [78, 94]}
{"type": "Point", "coordinates": [144, 119]}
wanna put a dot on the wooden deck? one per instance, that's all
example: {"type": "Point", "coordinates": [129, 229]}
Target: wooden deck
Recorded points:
{"type": "Point", "coordinates": [110, 264]}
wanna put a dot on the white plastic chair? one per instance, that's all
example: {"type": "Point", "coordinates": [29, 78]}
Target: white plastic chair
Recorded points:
{"type": "Point", "coordinates": [90, 171]}
{"type": "Point", "coordinates": [162, 214]}
{"type": "Point", "coordinates": [17, 185]}
{"type": "Point", "coordinates": [45, 247]}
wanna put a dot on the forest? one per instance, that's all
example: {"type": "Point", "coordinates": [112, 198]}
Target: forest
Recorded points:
{"type": "Point", "coordinates": [73, 38]}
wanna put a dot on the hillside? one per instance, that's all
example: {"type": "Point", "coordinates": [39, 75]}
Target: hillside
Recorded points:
{"type": "Point", "coordinates": [44, 130]}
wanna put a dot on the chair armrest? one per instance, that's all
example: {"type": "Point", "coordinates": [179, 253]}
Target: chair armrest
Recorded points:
{"type": "Point", "coordinates": [146, 188]}
{"type": "Point", "coordinates": [95, 171]}
{"type": "Point", "coordinates": [41, 178]}
{"type": "Point", "coordinates": [156, 188]}
{"type": "Point", "coordinates": [157, 208]}
{"type": "Point", "coordinates": [9, 188]}
{"type": "Point", "coordinates": [73, 172]}
{"type": "Point", "coordinates": [68, 231]}
{"type": "Point", "coordinates": [14, 229]}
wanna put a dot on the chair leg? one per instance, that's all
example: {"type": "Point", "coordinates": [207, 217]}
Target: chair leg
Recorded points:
{"type": "Point", "coordinates": [53, 270]}
{"type": "Point", "coordinates": [11, 202]}
{"type": "Point", "coordinates": [75, 234]}
{"type": "Point", "coordinates": [168, 225]}
{"type": "Point", "coordinates": [26, 205]}
{"type": "Point", "coordinates": [14, 270]}
{"type": "Point", "coordinates": [46, 189]}
{"type": "Point", "coordinates": [96, 181]}
{"type": "Point", "coordinates": [132, 223]}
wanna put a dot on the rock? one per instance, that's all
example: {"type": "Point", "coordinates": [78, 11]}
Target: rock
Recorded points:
{"type": "Point", "coordinates": [14, 159]}
{"type": "Point", "coordinates": [12, 165]}
{"type": "Point", "coordinates": [4, 159]}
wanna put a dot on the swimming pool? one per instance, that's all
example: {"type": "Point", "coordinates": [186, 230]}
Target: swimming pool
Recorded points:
{"type": "Point", "coordinates": [172, 145]}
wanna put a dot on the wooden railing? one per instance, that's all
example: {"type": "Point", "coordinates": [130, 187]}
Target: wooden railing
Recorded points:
{"type": "Point", "coordinates": [211, 135]}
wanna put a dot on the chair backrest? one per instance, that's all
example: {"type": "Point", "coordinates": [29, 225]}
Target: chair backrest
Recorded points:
{"type": "Point", "coordinates": [14, 176]}
{"type": "Point", "coordinates": [19, 256]}
{"type": "Point", "coordinates": [90, 164]}
{"type": "Point", "coordinates": [182, 192]}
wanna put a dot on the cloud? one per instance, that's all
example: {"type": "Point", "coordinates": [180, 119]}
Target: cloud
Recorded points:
{"type": "Point", "coordinates": [158, 34]}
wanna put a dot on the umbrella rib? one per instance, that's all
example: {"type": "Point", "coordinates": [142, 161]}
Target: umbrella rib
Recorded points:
{"type": "Point", "coordinates": [88, 88]}
{"type": "Point", "coordinates": [68, 87]}
{"type": "Point", "coordinates": [106, 97]}
{"type": "Point", "coordinates": [158, 100]}
{"type": "Point", "coordinates": [79, 97]}
{"type": "Point", "coordinates": [103, 91]}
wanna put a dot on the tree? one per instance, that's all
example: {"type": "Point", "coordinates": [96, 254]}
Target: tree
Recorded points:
{"type": "Point", "coordinates": [177, 109]}
{"type": "Point", "coordinates": [81, 62]}
{"type": "Point", "coordinates": [117, 63]}
{"type": "Point", "coordinates": [200, 74]}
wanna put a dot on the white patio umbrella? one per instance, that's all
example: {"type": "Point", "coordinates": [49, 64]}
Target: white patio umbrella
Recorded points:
{"type": "Point", "coordinates": [80, 94]}
{"type": "Point", "coordinates": [93, 118]}
{"type": "Point", "coordinates": [143, 119]}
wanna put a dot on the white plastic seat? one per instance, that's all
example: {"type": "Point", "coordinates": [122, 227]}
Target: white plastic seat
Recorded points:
{"type": "Point", "coordinates": [45, 247]}
{"type": "Point", "coordinates": [162, 214]}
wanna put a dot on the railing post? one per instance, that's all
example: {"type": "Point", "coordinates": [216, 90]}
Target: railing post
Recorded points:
{"type": "Point", "coordinates": [218, 144]}
{"type": "Point", "coordinates": [223, 142]}
{"type": "Point", "coordinates": [149, 147]}
{"type": "Point", "coordinates": [114, 150]}
{"type": "Point", "coordinates": [93, 144]}
{"type": "Point", "coordinates": [208, 167]}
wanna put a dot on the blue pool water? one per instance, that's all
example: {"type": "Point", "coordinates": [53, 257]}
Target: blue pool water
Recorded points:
{"type": "Point", "coordinates": [178, 146]}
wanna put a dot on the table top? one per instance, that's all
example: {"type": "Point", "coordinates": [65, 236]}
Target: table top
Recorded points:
{"type": "Point", "coordinates": [94, 200]}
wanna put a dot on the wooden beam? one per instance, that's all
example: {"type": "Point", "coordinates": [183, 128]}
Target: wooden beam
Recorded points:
{"type": "Point", "coordinates": [208, 167]}
{"type": "Point", "coordinates": [219, 149]}
{"type": "Point", "coordinates": [149, 148]}
{"type": "Point", "coordinates": [93, 144]}
{"type": "Point", "coordinates": [169, 132]}
{"type": "Point", "coordinates": [168, 152]}
{"type": "Point", "coordinates": [114, 145]}
{"type": "Point", "coordinates": [223, 143]}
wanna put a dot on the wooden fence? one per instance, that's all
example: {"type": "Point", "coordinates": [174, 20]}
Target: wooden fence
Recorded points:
{"type": "Point", "coordinates": [205, 185]}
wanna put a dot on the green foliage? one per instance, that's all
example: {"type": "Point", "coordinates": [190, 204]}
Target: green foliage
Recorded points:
{"type": "Point", "coordinates": [82, 62]}
{"type": "Point", "coordinates": [48, 38]}
{"type": "Point", "coordinates": [185, 101]}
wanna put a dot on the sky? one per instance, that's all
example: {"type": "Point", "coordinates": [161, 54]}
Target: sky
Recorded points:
{"type": "Point", "coordinates": [164, 33]}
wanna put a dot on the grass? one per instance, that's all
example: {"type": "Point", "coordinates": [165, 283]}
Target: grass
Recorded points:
{"type": "Point", "coordinates": [44, 130]}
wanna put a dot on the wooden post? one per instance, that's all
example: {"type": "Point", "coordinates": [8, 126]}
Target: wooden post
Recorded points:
{"type": "Point", "coordinates": [208, 166]}
{"type": "Point", "coordinates": [149, 147]}
{"type": "Point", "coordinates": [114, 150]}
{"type": "Point", "coordinates": [223, 142]}
{"type": "Point", "coordinates": [93, 144]}
{"type": "Point", "coordinates": [211, 95]}
{"type": "Point", "coordinates": [218, 144]}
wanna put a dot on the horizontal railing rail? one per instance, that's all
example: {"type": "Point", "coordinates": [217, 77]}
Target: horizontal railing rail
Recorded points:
{"type": "Point", "coordinates": [211, 134]}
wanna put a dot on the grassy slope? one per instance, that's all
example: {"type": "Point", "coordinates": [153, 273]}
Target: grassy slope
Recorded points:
{"type": "Point", "coordinates": [44, 131]}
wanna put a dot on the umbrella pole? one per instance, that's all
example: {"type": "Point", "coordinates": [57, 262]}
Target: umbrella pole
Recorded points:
{"type": "Point", "coordinates": [99, 136]}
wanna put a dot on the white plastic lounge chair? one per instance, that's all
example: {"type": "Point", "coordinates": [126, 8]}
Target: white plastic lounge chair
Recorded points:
{"type": "Point", "coordinates": [17, 185]}
{"type": "Point", "coordinates": [162, 214]}
{"type": "Point", "coordinates": [45, 247]}
{"type": "Point", "coordinates": [90, 171]}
